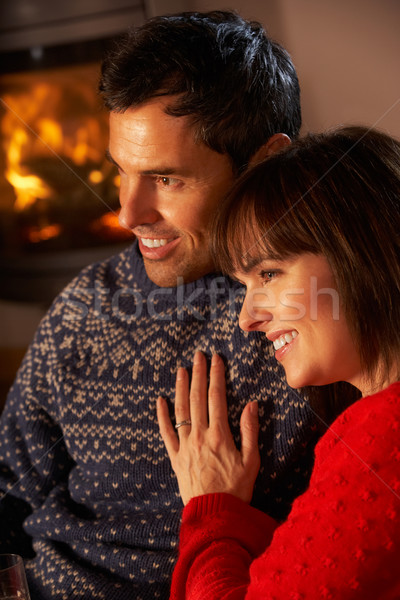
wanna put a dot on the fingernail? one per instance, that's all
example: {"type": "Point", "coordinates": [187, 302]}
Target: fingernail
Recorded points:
{"type": "Point", "coordinates": [215, 359]}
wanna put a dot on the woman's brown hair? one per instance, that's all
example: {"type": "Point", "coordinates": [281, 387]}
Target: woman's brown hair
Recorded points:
{"type": "Point", "coordinates": [335, 194]}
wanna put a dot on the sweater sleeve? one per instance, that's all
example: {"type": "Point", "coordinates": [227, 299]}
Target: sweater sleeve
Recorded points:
{"type": "Point", "coordinates": [342, 536]}
{"type": "Point", "coordinates": [222, 534]}
{"type": "Point", "coordinates": [33, 455]}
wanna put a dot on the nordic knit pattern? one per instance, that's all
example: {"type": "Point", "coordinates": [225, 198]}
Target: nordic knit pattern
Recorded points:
{"type": "Point", "coordinates": [341, 539]}
{"type": "Point", "coordinates": [82, 459]}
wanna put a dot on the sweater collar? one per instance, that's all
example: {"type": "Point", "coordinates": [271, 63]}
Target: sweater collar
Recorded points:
{"type": "Point", "coordinates": [207, 282]}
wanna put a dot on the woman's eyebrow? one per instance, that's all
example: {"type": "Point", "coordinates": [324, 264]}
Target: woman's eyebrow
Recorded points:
{"type": "Point", "coordinates": [255, 261]}
{"type": "Point", "coordinates": [248, 264]}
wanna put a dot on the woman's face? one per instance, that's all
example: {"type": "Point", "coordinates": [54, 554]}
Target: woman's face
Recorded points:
{"type": "Point", "coordinates": [296, 304]}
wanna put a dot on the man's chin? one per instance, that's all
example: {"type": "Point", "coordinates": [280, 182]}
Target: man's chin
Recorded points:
{"type": "Point", "coordinates": [169, 277]}
{"type": "Point", "coordinates": [160, 275]}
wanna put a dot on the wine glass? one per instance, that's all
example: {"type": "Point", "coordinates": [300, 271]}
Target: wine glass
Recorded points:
{"type": "Point", "coordinates": [13, 585]}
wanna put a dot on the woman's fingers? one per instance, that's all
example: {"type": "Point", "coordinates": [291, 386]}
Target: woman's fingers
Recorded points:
{"type": "Point", "coordinates": [167, 430]}
{"type": "Point", "coordinates": [182, 405]}
{"type": "Point", "coordinates": [205, 458]}
{"type": "Point", "coordinates": [218, 410]}
{"type": "Point", "coordinates": [194, 405]}
{"type": "Point", "coordinates": [249, 427]}
{"type": "Point", "coordinates": [198, 392]}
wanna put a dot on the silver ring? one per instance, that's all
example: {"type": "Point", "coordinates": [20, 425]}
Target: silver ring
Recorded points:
{"type": "Point", "coordinates": [187, 422]}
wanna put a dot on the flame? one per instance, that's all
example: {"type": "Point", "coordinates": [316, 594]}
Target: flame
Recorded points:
{"type": "Point", "coordinates": [108, 226]}
{"type": "Point", "coordinates": [40, 234]}
{"type": "Point", "coordinates": [28, 188]}
{"type": "Point", "coordinates": [50, 133]}
{"type": "Point", "coordinates": [96, 176]}
{"type": "Point", "coordinates": [40, 124]}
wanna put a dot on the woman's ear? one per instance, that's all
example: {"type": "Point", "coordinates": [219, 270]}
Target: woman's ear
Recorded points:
{"type": "Point", "coordinates": [272, 145]}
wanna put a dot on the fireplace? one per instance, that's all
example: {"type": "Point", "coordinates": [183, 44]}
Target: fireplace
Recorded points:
{"type": "Point", "coordinates": [58, 193]}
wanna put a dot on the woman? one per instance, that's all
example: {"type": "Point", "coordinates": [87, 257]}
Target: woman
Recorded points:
{"type": "Point", "coordinates": [314, 234]}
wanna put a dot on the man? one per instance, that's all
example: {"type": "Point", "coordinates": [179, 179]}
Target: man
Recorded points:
{"type": "Point", "coordinates": [91, 498]}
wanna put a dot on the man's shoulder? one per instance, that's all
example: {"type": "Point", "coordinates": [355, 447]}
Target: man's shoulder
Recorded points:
{"type": "Point", "coordinates": [117, 290]}
{"type": "Point", "coordinates": [120, 269]}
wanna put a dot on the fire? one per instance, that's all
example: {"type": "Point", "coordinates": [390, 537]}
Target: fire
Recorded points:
{"type": "Point", "coordinates": [37, 234]}
{"type": "Point", "coordinates": [53, 133]}
{"type": "Point", "coordinates": [108, 226]}
{"type": "Point", "coordinates": [28, 188]}
{"type": "Point", "coordinates": [96, 176]}
{"type": "Point", "coordinates": [50, 133]}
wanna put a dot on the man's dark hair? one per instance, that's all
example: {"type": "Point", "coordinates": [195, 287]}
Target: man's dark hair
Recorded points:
{"type": "Point", "coordinates": [238, 87]}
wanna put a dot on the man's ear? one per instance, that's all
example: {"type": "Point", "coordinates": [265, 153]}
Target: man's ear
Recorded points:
{"type": "Point", "coordinates": [272, 145]}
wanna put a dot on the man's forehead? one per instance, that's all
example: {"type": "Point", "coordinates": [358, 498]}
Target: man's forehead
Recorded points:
{"type": "Point", "coordinates": [149, 131]}
{"type": "Point", "coordinates": [152, 111]}
{"type": "Point", "coordinates": [145, 139]}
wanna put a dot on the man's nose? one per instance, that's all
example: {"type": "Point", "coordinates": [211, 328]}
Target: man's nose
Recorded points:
{"type": "Point", "coordinates": [254, 315]}
{"type": "Point", "coordinates": [138, 206]}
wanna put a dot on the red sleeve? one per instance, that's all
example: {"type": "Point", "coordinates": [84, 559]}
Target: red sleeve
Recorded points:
{"type": "Point", "coordinates": [212, 525]}
{"type": "Point", "coordinates": [341, 539]}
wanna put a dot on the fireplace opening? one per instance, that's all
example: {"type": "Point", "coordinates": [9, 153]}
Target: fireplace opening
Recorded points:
{"type": "Point", "coordinates": [58, 193]}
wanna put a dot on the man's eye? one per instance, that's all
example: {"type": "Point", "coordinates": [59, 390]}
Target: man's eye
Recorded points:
{"type": "Point", "coordinates": [167, 181]}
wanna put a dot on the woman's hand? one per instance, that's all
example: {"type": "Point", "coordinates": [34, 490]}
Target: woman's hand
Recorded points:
{"type": "Point", "coordinates": [203, 454]}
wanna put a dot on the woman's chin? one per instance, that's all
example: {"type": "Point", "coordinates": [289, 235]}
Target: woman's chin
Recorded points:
{"type": "Point", "coordinates": [297, 381]}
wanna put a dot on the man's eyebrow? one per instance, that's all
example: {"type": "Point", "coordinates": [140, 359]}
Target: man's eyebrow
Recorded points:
{"type": "Point", "coordinates": [110, 158]}
{"type": "Point", "coordinates": [162, 171]}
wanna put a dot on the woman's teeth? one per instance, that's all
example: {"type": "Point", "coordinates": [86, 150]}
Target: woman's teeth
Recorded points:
{"type": "Point", "coordinates": [284, 339]}
{"type": "Point", "coordinates": [153, 243]}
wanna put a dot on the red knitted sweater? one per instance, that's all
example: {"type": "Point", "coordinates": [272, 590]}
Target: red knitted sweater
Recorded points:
{"type": "Point", "coordinates": [341, 539]}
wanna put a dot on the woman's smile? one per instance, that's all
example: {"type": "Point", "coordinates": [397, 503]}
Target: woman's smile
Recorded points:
{"type": "Point", "coordinates": [295, 302]}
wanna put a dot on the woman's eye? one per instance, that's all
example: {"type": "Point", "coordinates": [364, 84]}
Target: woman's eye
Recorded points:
{"type": "Point", "coordinates": [266, 276]}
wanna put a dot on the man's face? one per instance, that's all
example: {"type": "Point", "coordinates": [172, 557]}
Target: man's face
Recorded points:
{"type": "Point", "coordinates": [170, 188]}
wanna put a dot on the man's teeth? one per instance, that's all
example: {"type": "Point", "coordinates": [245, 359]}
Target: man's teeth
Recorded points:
{"type": "Point", "coordinates": [284, 339]}
{"type": "Point", "coordinates": [153, 243]}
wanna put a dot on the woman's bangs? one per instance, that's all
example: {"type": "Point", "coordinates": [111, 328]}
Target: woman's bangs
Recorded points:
{"type": "Point", "coordinates": [266, 216]}
{"type": "Point", "coordinates": [245, 237]}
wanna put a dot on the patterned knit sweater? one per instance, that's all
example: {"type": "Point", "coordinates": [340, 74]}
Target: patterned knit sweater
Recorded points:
{"type": "Point", "coordinates": [91, 499]}
{"type": "Point", "coordinates": [341, 540]}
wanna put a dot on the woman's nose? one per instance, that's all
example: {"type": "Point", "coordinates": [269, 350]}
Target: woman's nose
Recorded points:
{"type": "Point", "coordinates": [255, 315]}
